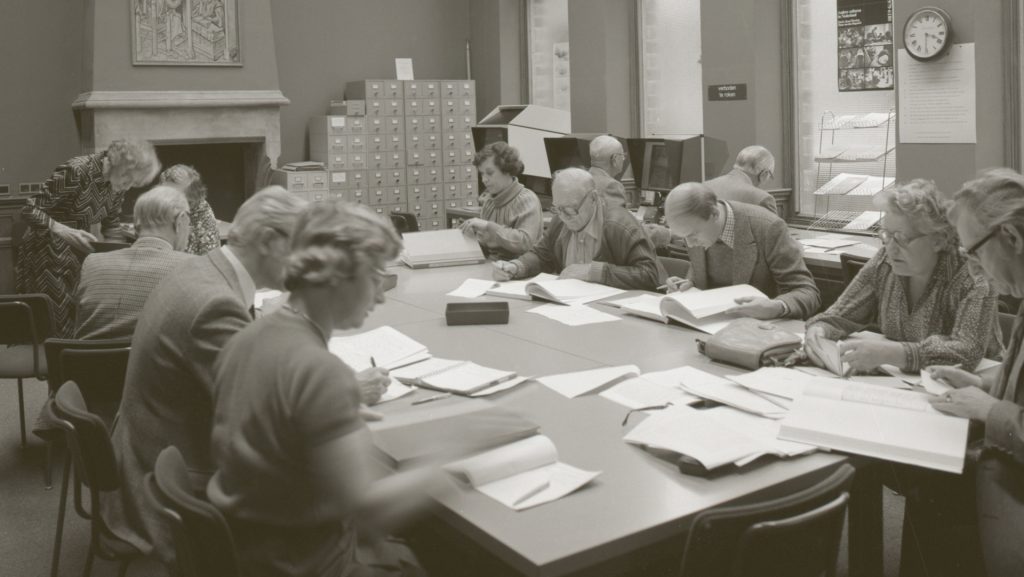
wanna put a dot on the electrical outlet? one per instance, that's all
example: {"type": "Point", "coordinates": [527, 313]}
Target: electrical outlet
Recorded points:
{"type": "Point", "coordinates": [5, 189]}
{"type": "Point", "coordinates": [30, 187]}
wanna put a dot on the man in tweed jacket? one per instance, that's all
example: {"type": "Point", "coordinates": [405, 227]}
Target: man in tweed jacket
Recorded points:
{"type": "Point", "coordinates": [115, 285]}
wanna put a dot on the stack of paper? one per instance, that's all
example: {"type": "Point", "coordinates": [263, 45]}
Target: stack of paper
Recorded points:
{"type": "Point", "coordinates": [579, 383]}
{"type": "Point", "coordinates": [573, 315]}
{"type": "Point", "coordinates": [721, 390]}
{"type": "Point", "coordinates": [521, 475]}
{"type": "Point", "coordinates": [652, 390]}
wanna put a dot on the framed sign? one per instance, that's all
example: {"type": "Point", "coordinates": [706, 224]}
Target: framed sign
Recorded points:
{"type": "Point", "coordinates": [865, 57]}
{"type": "Point", "coordinates": [185, 33]}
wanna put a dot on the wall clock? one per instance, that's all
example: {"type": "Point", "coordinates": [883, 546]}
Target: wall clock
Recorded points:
{"type": "Point", "coordinates": [928, 33]}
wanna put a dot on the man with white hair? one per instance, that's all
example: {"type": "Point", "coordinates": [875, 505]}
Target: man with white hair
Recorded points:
{"type": "Point", "coordinates": [114, 285]}
{"type": "Point", "coordinates": [169, 386]}
{"type": "Point", "coordinates": [733, 243]}
{"type": "Point", "coordinates": [607, 161]}
{"type": "Point", "coordinates": [588, 240]}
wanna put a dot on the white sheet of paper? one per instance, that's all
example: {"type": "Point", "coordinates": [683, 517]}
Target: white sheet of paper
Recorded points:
{"type": "Point", "coordinates": [934, 386]}
{"type": "Point", "coordinates": [573, 315]}
{"type": "Point", "coordinates": [688, 431]}
{"type": "Point", "coordinates": [578, 383]}
{"type": "Point", "coordinates": [395, 390]}
{"type": "Point", "coordinates": [388, 347]}
{"type": "Point", "coordinates": [937, 99]}
{"type": "Point", "coordinates": [473, 288]}
{"type": "Point", "coordinates": [501, 387]}
{"type": "Point", "coordinates": [403, 69]}
{"type": "Point", "coordinates": [648, 390]}
{"type": "Point", "coordinates": [725, 391]}
{"type": "Point", "coordinates": [264, 295]}
{"type": "Point", "coordinates": [763, 430]}
{"type": "Point", "coordinates": [553, 481]}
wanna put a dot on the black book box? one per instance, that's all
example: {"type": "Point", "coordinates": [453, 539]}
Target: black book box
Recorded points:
{"type": "Point", "coordinates": [485, 313]}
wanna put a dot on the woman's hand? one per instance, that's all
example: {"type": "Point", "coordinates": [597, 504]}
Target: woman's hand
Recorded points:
{"type": "Point", "coordinates": [955, 377]}
{"type": "Point", "coordinates": [867, 354]}
{"type": "Point", "coordinates": [676, 284]}
{"type": "Point", "coordinates": [78, 239]}
{"type": "Point", "coordinates": [971, 402]}
{"type": "Point", "coordinates": [474, 226]}
{"type": "Point", "coordinates": [504, 270]}
{"type": "Point", "coordinates": [372, 384]}
{"type": "Point", "coordinates": [813, 346]}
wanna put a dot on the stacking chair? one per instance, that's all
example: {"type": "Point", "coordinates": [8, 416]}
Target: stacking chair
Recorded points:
{"type": "Point", "coordinates": [95, 467]}
{"type": "Point", "coordinates": [25, 322]}
{"type": "Point", "coordinates": [203, 544]}
{"type": "Point", "coordinates": [851, 265]}
{"type": "Point", "coordinates": [405, 222]}
{"type": "Point", "coordinates": [793, 536]}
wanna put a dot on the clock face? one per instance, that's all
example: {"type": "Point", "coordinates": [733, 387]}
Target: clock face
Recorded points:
{"type": "Point", "coordinates": [926, 34]}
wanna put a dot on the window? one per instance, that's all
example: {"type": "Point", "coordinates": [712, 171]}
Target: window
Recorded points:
{"type": "Point", "coordinates": [549, 53]}
{"type": "Point", "coordinates": [670, 82]}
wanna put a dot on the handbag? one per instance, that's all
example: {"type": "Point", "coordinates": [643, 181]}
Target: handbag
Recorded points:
{"type": "Point", "coordinates": [751, 344]}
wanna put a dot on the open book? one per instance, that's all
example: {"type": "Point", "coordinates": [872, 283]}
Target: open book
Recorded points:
{"type": "Point", "coordinates": [549, 287]}
{"type": "Point", "coordinates": [702, 310]}
{"type": "Point", "coordinates": [522, 474]}
{"type": "Point", "coordinates": [463, 377]}
{"type": "Point", "coordinates": [385, 347]}
{"type": "Point", "coordinates": [439, 248]}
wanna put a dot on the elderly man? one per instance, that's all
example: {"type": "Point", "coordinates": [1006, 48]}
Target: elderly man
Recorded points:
{"type": "Point", "coordinates": [588, 240]}
{"type": "Point", "coordinates": [607, 161]}
{"type": "Point", "coordinates": [734, 243]}
{"type": "Point", "coordinates": [115, 285]}
{"type": "Point", "coordinates": [168, 395]}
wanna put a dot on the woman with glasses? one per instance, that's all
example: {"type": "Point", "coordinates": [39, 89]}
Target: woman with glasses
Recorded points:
{"type": "Point", "coordinates": [293, 455]}
{"type": "Point", "coordinates": [917, 291]}
{"type": "Point", "coordinates": [510, 215]}
{"type": "Point", "coordinates": [989, 216]}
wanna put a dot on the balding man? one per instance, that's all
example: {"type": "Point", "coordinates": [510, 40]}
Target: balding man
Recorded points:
{"type": "Point", "coordinates": [754, 167]}
{"type": "Point", "coordinates": [733, 243]}
{"type": "Point", "coordinates": [588, 240]}
{"type": "Point", "coordinates": [607, 161]}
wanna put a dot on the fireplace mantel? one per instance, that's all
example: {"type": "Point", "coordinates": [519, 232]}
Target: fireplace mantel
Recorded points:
{"type": "Point", "coordinates": [178, 99]}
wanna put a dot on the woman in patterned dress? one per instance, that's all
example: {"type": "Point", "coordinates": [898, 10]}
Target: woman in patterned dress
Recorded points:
{"type": "Point", "coordinates": [82, 192]}
{"type": "Point", "coordinates": [204, 236]}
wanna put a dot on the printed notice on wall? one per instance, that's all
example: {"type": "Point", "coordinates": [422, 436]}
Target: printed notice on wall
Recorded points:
{"type": "Point", "coordinates": [937, 99]}
{"type": "Point", "coordinates": [865, 45]}
{"type": "Point", "coordinates": [403, 69]}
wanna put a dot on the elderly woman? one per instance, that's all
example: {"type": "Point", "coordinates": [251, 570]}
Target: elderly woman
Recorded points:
{"type": "Point", "coordinates": [917, 290]}
{"type": "Point", "coordinates": [292, 452]}
{"type": "Point", "coordinates": [510, 218]}
{"type": "Point", "coordinates": [204, 236]}
{"type": "Point", "coordinates": [81, 193]}
{"type": "Point", "coordinates": [989, 216]}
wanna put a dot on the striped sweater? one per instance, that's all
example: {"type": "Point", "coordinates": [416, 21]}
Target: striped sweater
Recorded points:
{"type": "Point", "coordinates": [514, 222]}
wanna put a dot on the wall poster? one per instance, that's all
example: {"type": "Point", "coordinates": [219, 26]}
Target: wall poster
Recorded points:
{"type": "Point", "coordinates": [866, 54]}
{"type": "Point", "coordinates": [185, 32]}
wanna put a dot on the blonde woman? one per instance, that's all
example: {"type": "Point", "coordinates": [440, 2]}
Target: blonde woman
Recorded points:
{"type": "Point", "coordinates": [204, 236]}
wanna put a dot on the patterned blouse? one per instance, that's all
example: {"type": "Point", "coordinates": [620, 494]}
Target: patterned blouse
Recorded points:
{"type": "Point", "coordinates": [517, 220]}
{"type": "Point", "coordinates": [204, 236]}
{"type": "Point", "coordinates": [953, 322]}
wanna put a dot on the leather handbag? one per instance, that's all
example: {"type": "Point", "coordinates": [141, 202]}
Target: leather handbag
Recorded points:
{"type": "Point", "coordinates": [751, 344]}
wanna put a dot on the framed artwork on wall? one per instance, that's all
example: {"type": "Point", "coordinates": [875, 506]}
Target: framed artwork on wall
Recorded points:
{"type": "Point", "coordinates": [185, 33]}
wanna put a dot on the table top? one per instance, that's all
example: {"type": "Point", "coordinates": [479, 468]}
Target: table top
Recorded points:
{"type": "Point", "coordinates": [638, 499]}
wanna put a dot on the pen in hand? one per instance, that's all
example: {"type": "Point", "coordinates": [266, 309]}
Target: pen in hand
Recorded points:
{"type": "Point", "coordinates": [532, 493]}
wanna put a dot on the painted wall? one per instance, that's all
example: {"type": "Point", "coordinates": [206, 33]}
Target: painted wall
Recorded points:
{"type": "Point", "coordinates": [496, 42]}
{"type": "Point", "coordinates": [40, 74]}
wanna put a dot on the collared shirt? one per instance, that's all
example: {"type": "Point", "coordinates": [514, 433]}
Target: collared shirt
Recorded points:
{"type": "Point", "coordinates": [728, 237]}
{"type": "Point", "coordinates": [244, 278]}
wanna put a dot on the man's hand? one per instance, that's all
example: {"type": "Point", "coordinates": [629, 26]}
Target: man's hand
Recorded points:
{"type": "Point", "coordinates": [372, 384]}
{"type": "Point", "coordinates": [577, 271]}
{"type": "Point", "coordinates": [971, 402]}
{"type": "Point", "coordinates": [473, 227]}
{"type": "Point", "coordinates": [676, 284]}
{"type": "Point", "coordinates": [369, 414]}
{"type": "Point", "coordinates": [504, 270]}
{"type": "Point", "coordinates": [659, 235]}
{"type": "Point", "coordinates": [955, 377]}
{"type": "Point", "coordinates": [760, 308]}
{"type": "Point", "coordinates": [867, 354]}
{"type": "Point", "coordinates": [78, 239]}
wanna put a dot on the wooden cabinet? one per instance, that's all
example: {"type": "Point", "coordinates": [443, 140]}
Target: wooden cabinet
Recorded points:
{"type": "Point", "coordinates": [11, 230]}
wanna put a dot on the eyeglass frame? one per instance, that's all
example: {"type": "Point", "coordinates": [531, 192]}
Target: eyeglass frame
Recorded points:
{"type": "Point", "coordinates": [560, 210]}
{"type": "Point", "coordinates": [883, 233]}
{"type": "Point", "coordinates": [972, 252]}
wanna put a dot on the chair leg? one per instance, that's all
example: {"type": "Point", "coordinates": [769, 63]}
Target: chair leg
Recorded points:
{"type": "Point", "coordinates": [124, 568]}
{"type": "Point", "coordinates": [48, 466]}
{"type": "Point", "coordinates": [88, 559]}
{"type": "Point", "coordinates": [55, 563]}
{"type": "Point", "coordinates": [21, 411]}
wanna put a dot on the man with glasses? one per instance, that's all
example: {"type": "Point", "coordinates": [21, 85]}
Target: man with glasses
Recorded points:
{"type": "Point", "coordinates": [733, 243]}
{"type": "Point", "coordinates": [588, 240]}
{"type": "Point", "coordinates": [607, 161]}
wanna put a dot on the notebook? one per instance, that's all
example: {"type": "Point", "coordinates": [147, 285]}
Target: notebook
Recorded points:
{"type": "Point", "coordinates": [699, 309]}
{"type": "Point", "coordinates": [435, 248]}
{"type": "Point", "coordinates": [570, 291]}
{"type": "Point", "coordinates": [522, 474]}
{"type": "Point", "coordinates": [463, 377]}
{"type": "Point", "coordinates": [385, 346]}
{"type": "Point", "coordinates": [516, 289]}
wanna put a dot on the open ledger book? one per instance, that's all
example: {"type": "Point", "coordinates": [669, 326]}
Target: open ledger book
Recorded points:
{"type": "Point", "coordinates": [551, 288]}
{"type": "Point", "coordinates": [877, 421]}
{"type": "Point", "coordinates": [522, 474]}
{"type": "Point", "coordinates": [702, 310]}
{"type": "Point", "coordinates": [463, 377]}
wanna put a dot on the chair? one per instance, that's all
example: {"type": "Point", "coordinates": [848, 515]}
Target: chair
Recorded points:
{"type": "Point", "coordinates": [405, 222]}
{"type": "Point", "coordinates": [851, 265]}
{"type": "Point", "coordinates": [202, 540]}
{"type": "Point", "coordinates": [675, 266]}
{"type": "Point", "coordinates": [796, 535]}
{"type": "Point", "coordinates": [95, 466]}
{"type": "Point", "coordinates": [102, 246]}
{"type": "Point", "coordinates": [1006, 326]}
{"type": "Point", "coordinates": [25, 322]}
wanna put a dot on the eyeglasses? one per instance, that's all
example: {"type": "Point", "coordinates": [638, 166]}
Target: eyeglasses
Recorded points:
{"type": "Point", "coordinates": [972, 252]}
{"type": "Point", "coordinates": [899, 238]}
{"type": "Point", "coordinates": [569, 211]}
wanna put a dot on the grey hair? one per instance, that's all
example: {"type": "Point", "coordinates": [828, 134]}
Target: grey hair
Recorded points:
{"type": "Point", "coordinates": [995, 198]}
{"type": "Point", "coordinates": [188, 179]}
{"type": "Point", "coordinates": [576, 179]}
{"type": "Point", "coordinates": [691, 199]}
{"type": "Point", "coordinates": [159, 207]}
{"type": "Point", "coordinates": [603, 148]}
{"type": "Point", "coordinates": [334, 241]}
{"type": "Point", "coordinates": [136, 157]}
{"type": "Point", "coordinates": [923, 204]}
{"type": "Point", "coordinates": [273, 207]}
{"type": "Point", "coordinates": [755, 160]}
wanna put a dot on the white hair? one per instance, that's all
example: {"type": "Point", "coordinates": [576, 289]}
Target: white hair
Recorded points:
{"type": "Point", "coordinates": [995, 198]}
{"type": "Point", "coordinates": [603, 148]}
{"type": "Point", "coordinates": [159, 207]}
{"type": "Point", "coordinates": [576, 181]}
{"type": "Point", "coordinates": [691, 199]}
{"type": "Point", "coordinates": [755, 160]}
{"type": "Point", "coordinates": [273, 207]}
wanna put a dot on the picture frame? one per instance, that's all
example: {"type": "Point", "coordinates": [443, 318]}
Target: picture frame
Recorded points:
{"type": "Point", "coordinates": [185, 33]}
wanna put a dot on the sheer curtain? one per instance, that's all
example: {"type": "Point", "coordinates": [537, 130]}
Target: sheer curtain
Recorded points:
{"type": "Point", "coordinates": [670, 51]}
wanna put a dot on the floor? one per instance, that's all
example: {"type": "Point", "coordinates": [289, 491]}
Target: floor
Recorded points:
{"type": "Point", "coordinates": [28, 512]}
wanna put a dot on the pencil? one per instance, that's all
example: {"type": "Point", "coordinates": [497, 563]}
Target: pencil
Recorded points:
{"type": "Point", "coordinates": [373, 362]}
